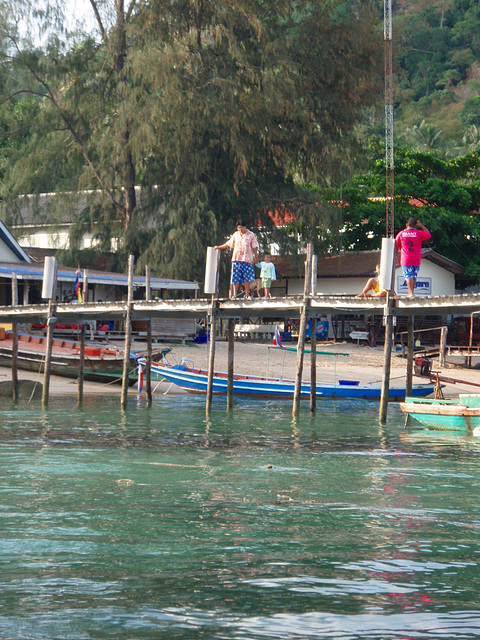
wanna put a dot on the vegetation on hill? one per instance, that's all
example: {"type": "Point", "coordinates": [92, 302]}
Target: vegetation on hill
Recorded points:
{"type": "Point", "coordinates": [436, 50]}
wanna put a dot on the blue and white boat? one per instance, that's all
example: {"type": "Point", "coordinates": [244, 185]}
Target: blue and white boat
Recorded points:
{"type": "Point", "coordinates": [195, 381]}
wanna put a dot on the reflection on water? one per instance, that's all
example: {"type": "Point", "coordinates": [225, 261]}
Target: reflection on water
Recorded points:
{"type": "Point", "coordinates": [158, 523]}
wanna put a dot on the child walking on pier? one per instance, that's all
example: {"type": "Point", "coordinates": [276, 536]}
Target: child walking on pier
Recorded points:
{"type": "Point", "coordinates": [267, 273]}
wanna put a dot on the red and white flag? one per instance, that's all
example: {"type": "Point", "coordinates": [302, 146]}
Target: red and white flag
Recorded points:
{"type": "Point", "coordinates": [140, 378]}
{"type": "Point", "coordinates": [277, 337]}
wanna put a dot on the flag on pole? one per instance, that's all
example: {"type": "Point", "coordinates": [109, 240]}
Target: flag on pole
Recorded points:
{"type": "Point", "coordinates": [77, 286]}
{"type": "Point", "coordinates": [140, 378]}
{"type": "Point", "coordinates": [277, 337]}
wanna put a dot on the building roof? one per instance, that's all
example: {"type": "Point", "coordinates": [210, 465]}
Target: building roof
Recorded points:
{"type": "Point", "coordinates": [12, 244]}
{"type": "Point", "coordinates": [55, 209]}
{"type": "Point", "coordinates": [355, 264]}
{"type": "Point", "coordinates": [68, 274]}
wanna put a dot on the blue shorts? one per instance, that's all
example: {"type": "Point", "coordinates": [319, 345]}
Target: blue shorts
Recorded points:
{"type": "Point", "coordinates": [410, 272]}
{"type": "Point", "coordinates": [242, 272]}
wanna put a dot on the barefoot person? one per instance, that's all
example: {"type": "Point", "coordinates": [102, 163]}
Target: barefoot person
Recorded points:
{"type": "Point", "coordinates": [267, 273]}
{"type": "Point", "coordinates": [409, 243]}
{"type": "Point", "coordinates": [244, 256]}
{"type": "Point", "coordinates": [372, 287]}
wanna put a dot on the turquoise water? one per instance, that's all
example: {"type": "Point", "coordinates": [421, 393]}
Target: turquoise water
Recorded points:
{"type": "Point", "coordinates": [159, 524]}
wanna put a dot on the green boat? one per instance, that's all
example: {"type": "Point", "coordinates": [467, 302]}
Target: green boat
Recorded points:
{"type": "Point", "coordinates": [101, 363]}
{"type": "Point", "coordinates": [462, 414]}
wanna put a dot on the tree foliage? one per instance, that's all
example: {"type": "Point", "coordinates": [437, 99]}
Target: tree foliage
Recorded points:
{"type": "Point", "coordinates": [215, 109]}
{"type": "Point", "coordinates": [436, 51]}
{"type": "Point", "coordinates": [444, 194]}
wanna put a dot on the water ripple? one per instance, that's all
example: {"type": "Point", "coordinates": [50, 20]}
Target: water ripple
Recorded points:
{"type": "Point", "coordinates": [458, 625]}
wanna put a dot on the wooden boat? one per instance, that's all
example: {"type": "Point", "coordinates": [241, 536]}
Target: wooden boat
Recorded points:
{"type": "Point", "coordinates": [102, 363]}
{"type": "Point", "coordinates": [195, 381]}
{"type": "Point", "coordinates": [446, 414]}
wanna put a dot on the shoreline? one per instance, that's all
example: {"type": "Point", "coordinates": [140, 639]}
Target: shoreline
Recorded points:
{"type": "Point", "coordinates": [345, 361]}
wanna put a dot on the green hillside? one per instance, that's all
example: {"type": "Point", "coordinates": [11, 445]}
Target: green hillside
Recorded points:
{"type": "Point", "coordinates": [436, 45]}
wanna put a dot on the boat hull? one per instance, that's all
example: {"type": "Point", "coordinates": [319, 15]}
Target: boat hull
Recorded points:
{"type": "Point", "coordinates": [196, 382]}
{"type": "Point", "coordinates": [444, 415]}
{"type": "Point", "coordinates": [101, 364]}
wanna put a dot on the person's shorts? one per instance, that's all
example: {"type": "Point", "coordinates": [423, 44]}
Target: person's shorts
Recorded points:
{"type": "Point", "coordinates": [242, 272]}
{"type": "Point", "coordinates": [266, 283]}
{"type": "Point", "coordinates": [410, 272]}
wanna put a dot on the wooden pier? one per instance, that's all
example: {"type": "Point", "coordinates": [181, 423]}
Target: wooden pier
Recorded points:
{"type": "Point", "coordinates": [304, 307]}
{"type": "Point", "coordinates": [266, 308]}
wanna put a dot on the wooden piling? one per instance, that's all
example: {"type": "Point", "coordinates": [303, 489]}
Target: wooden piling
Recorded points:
{"type": "Point", "coordinates": [313, 339]}
{"type": "Point", "coordinates": [48, 354]}
{"type": "Point", "coordinates": [14, 340]}
{"type": "Point", "coordinates": [301, 332]}
{"type": "Point", "coordinates": [148, 368]}
{"type": "Point", "coordinates": [211, 351]}
{"type": "Point", "coordinates": [299, 363]}
{"type": "Point", "coordinates": [410, 345]}
{"type": "Point", "coordinates": [211, 359]}
{"type": "Point", "coordinates": [443, 346]}
{"type": "Point", "coordinates": [52, 309]}
{"type": "Point", "coordinates": [387, 358]}
{"type": "Point", "coordinates": [128, 334]}
{"type": "Point", "coordinates": [313, 366]}
{"type": "Point", "coordinates": [81, 365]}
{"type": "Point", "coordinates": [230, 366]}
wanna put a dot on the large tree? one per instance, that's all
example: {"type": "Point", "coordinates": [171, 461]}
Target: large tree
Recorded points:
{"type": "Point", "coordinates": [81, 135]}
{"type": "Point", "coordinates": [215, 109]}
{"type": "Point", "coordinates": [253, 101]}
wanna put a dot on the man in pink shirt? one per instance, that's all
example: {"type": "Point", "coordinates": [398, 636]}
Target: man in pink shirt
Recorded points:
{"type": "Point", "coordinates": [409, 243]}
{"type": "Point", "coordinates": [245, 255]}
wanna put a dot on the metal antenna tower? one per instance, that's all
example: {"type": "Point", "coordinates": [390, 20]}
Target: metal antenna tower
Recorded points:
{"type": "Point", "coordinates": [387, 8]}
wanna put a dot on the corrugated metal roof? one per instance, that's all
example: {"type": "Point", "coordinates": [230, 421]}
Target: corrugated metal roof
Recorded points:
{"type": "Point", "coordinates": [68, 274]}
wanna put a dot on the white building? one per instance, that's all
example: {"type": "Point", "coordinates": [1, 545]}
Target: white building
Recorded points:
{"type": "Point", "coordinates": [346, 274]}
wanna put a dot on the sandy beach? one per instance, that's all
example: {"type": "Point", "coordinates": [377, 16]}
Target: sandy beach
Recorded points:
{"type": "Point", "coordinates": [337, 361]}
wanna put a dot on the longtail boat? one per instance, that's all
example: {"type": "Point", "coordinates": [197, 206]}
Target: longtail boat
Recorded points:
{"type": "Point", "coordinates": [195, 381]}
{"type": "Point", "coordinates": [445, 414]}
{"type": "Point", "coordinates": [102, 363]}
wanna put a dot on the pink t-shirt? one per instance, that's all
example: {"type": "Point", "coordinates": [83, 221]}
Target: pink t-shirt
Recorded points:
{"type": "Point", "coordinates": [243, 246]}
{"type": "Point", "coordinates": [410, 242]}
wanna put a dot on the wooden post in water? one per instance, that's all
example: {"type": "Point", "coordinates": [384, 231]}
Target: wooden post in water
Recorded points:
{"type": "Point", "coordinates": [301, 332]}
{"type": "Point", "coordinates": [443, 346]}
{"type": "Point", "coordinates": [128, 334]}
{"type": "Point", "coordinates": [410, 344]}
{"type": "Point", "coordinates": [313, 366]}
{"type": "Point", "coordinates": [14, 340]}
{"type": "Point", "coordinates": [83, 330]}
{"type": "Point", "coordinates": [231, 347]}
{"type": "Point", "coordinates": [387, 358]}
{"type": "Point", "coordinates": [48, 354]}
{"type": "Point", "coordinates": [211, 276]}
{"type": "Point", "coordinates": [81, 365]}
{"type": "Point", "coordinates": [313, 340]}
{"type": "Point", "coordinates": [52, 309]}
{"type": "Point", "coordinates": [211, 358]}
{"type": "Point", "coordinates": [148, 369]}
